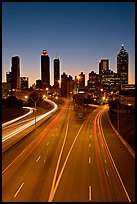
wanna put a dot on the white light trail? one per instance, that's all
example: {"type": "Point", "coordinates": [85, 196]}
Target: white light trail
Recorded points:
{"type": "Point", "coordinates": [16, 119]}
{"type": "Point", "coordinates": [20, 129]}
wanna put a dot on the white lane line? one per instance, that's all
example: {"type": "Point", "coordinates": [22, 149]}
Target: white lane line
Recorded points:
{"type": "Point", "coordinates": [89, 193]}
{"type": "Point", "coordinates": [47, 143]}
{"type": "Point", "coordinates": [113, 161]}
{"type": "Point", "coordinates": [105, 161]}
{"type": "Point", "coordinates": [107, 172]}
{"type": "Point", "coordinates": [90, 136]}
{"type": "Point", "coordinates": [18, 190]}
{"type": "Point", "coordinates": [54, 187]}
{"type": "Point", "coordinates": [89, 160]}
{"type": "Point", "coordinates": [45, 159]}
{"type": "Point", "coordinates": [38, 159]}
{"type": "Point", "coordinates": [89, 145]}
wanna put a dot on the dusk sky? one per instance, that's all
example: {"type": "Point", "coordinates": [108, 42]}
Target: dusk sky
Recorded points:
{"type": "Point", "coordinates": [79, 33]}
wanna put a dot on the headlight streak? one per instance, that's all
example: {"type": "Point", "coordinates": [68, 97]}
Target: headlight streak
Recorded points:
{"type": "Point", "coordinates": [18, 130]}
{"type": "Point", "coordinates": [16, 119]}
{"type": "Point", "coordinates": [98, 125]}
{"type": "Point", "coordinates": [111, 161]}
{"type": "Point", "coordinates": [101, 170]}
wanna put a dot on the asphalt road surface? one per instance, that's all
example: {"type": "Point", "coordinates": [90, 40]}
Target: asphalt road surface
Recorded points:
{"type": "Point", "coordinates": [68, 159]}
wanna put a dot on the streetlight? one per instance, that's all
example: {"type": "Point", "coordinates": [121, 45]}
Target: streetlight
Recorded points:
{"type": "Point", "coordinates": [35, 102]}
{"type": "Point", "coordinates": [47, 91]}
{"type": "Point", "coordinates": [118, 112]}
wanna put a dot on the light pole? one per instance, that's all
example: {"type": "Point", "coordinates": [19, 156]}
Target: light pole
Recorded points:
{"type": "Point", "coordinates": [118, 113]}
{"type": "Point", "coordinates": [35, 102]}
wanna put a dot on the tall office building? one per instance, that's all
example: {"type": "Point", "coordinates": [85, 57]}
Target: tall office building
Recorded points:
{"type": "Point", "coordinates": [122, 65]}
{"type": "Point", "coordinates": [56, 73]}
{"type": "Point", "coordinates": [103, 65]}
{"type": "Point", "coordinates": [82, 80]}
{"type": "Point", "coordinates": [8, 76]}
{"type": "Point", "coordinates": [45, 69]}
{"type": "Point", "coordinates": [66, 85]}
{"type": "Point", "coordinates": [24, 83]}
{"type": "Point", "coordinates": [15, 69]}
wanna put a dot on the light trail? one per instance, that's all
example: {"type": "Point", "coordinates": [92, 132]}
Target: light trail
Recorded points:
{"type": "Point", "coordinates": [20, 129]}
{"type": "Point", "coordinates": [16, 119]}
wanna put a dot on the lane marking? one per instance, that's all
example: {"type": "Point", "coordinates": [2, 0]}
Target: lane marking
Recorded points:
{"type": "Point", "coordinates": [56, 170]}
{"type": "Point", "coordinates": [89, 193]}
{"type": "Point", "coordinates": [47, 143]}
{"type": "Point", "coordinates": [89, 160]}
{"type": "Point", "coordinates": [38, 159]}
{"type": "Point", "coordinates": [18, 190]}
{"type": "Point", "coordinates": [45, 159]}
{"type": "Point", "coordinates": [107, 172]}
{"type": "Point", "coordinates": [111, 159]}
{"type": "Point", "coordinates": [89, 145]}
{"type": "Point", "coordinates": [54, 187]}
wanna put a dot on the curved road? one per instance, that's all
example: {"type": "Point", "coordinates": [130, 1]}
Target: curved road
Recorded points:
{"type": "Point", "coordinates": [67, 159]}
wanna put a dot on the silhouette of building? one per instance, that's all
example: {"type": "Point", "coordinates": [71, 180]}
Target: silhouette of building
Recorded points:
{"type": "Point", "coordinates": [45, 69]}
{"type": "Point", "coordinates": [56, 73]}
{"type": "Point", "coordinates": [66, 85]}
{"type": "Point", "coordinates": [80, 81]}
{"type": "Point", "coordinates": [94, 80]}
{"type": "Point", "coordinates": [122, 65]}
{"type": "Point", "coordinates": [15, 76]}
{"type": "Point", "coordinates": [8, 76]}
{"type": "Point", "coordinates": [24, 83]}
{"type": "Point", "coordinates": [103, 65]}
{"type": "Point", "coordinates": [38, 84]}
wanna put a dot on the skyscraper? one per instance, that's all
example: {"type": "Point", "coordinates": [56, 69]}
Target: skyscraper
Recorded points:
{"type": "Point", "coordinates": [103, 65]}
{"type": "Point", "coordinates": [45, 69]}
{"type": "Point", "coordinates": [56, 73]}
{"type": "Point", "coordinates": [24, 83]}
{"type": "Point", "coordinates": [82, 80]}
{"type": "Point", "coordinates": [122, 65]}
{"type": "Point", "coordinates": [15, 69]}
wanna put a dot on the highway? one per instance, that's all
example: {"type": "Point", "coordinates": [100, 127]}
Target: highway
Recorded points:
{"type": "Point", "coordinates": [67, 159]}
{"type": "Point", "coordinates": [14, 130]}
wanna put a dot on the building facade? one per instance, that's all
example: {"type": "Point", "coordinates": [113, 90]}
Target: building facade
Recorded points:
{"type": "Point", "coordinates": [103, 65]}
{"type": "Point", "coordinates": [24, 83]}
{"type": "Point", "coordinates": [8, 76]}
{"type": "Point", "coordinates": [45, 69]}
{"type": "Point", "coordinates": [38, 84]}
{"type": "Point", "coordinates": [15, 76]}
{"type": "Point", "coordinates": [56, 63]}
{"type": "Point", "coordinates": [122, 65]}
{"type": "Point", "coordinates": [94, 80]}
{"type": "Point", "coordinates": [67, 84]}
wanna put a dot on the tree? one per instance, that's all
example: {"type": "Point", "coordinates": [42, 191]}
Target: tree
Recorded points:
{"type": "Point", "coordinates": [12, 102]}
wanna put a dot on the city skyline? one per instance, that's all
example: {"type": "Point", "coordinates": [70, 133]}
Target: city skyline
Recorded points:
{"type": "Point", "coordinates": [80, 41]}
